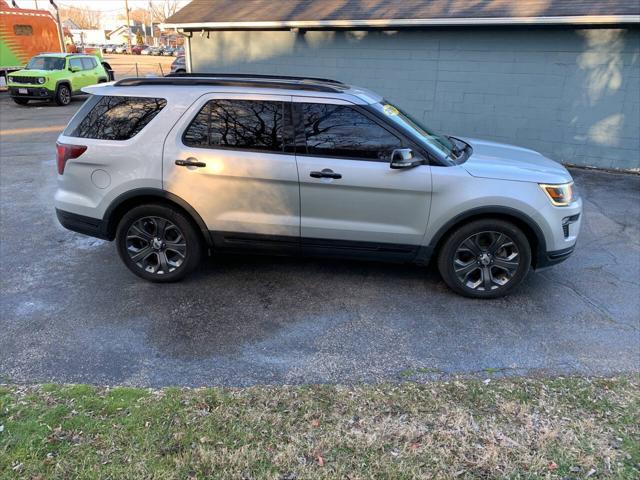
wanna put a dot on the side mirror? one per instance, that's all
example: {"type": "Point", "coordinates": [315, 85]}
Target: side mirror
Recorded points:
{"type": "Point", "coordinates": [74, 69]}
{"type": "Point", "coordinates": [403, 158]}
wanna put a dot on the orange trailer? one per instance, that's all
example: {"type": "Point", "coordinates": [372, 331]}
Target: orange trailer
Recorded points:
{"type": "Point", "coordinates": [23, 34]}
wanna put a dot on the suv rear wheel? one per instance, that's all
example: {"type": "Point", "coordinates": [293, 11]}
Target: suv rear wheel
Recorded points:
{"type": "Point", "coordinates": [485, 259]}
{"type": "Point", "coordinates": [63, 95]}
{"type": "Point", "coordinates": [158, 243]}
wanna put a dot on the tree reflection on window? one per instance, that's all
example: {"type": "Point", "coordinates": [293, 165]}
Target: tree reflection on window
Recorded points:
{"type": "Point", "coordinates": [240, 124]}
{"type": "Point", "coordinates": [118, 118]}
{"type": "Point", "coordinates": [340, 131]}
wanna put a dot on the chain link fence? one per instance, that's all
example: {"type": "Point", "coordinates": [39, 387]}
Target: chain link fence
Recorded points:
{"type": "Point", "coordinates": [127, 70]}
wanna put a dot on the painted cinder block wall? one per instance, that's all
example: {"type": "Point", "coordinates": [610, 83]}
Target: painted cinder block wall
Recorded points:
{"type": "Point", "coordinates": [571, 94]}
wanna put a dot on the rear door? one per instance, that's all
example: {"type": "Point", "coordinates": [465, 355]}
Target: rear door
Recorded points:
{"type": "Point", "coordinates": [227, 159]}
{"type": "Point", "coordinates": [350, 197]}
{"type": "Point", "coordinates": [90, 70]}
{"type": "Point", "coordinates": [78, 78]}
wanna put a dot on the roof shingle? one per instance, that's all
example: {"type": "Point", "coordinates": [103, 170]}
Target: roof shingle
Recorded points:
{"type": "Point", "coordinates": [327, 11]}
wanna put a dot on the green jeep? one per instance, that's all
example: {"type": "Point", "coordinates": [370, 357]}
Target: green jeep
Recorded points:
{"type": "Point", "coordinates": [57, 76]}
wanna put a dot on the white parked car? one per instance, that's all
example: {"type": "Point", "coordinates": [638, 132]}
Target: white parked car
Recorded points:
{"type": "Point", "coordinates": [174, 167]}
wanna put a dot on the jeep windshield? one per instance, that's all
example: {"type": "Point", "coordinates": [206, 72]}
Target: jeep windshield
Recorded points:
{"type": "Point", "coordinates": [46, 63]}
{"type": "Point", "coordinates": [444, 146]}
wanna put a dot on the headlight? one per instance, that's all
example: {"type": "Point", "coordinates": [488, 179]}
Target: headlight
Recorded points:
{"type": "Point", "coordinates": [560, 195]}
{"type": "Point", "coordinates": [41, 80]}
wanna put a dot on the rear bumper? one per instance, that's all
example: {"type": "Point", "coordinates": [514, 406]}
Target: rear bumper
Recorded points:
{"type": "Point", "coordinates": [94, 227]}
{"type": "Point", "coordinates": [549, 259]}
{"type": "Point", "coordinates": [33, 93]}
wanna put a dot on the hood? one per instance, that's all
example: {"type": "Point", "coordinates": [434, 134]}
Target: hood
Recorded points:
{"type": "Point", "coordinates": [32, 73]}
{"type": "Point", "coordinates": [508, 162]}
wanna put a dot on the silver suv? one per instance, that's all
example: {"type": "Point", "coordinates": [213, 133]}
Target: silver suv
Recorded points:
{"type": "Point", "coordinates": [176, 167]}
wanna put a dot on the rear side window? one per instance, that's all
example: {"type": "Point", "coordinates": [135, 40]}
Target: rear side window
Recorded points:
{"type": "Point", "coordinates": [88, 63]}
{"type": "Point", "coordinates": [341, 131]}
{"type": "Point", "coordinates": [114, 118]}
{"type": "Point", "coordinates": [238, 124]}
{"type": "Point", "coordinates": [76, 63]}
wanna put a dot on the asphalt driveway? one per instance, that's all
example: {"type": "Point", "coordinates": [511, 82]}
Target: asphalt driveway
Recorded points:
{"type": "Point", "coordinates": [71, 312]}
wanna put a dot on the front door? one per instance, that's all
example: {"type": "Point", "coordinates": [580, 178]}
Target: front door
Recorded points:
{"type": "Point", "coordinates": [79, 78]}
{"type": "Point", "coordinates": [227, 159]}
{"type": "Point", "coordinates": [350, 198]}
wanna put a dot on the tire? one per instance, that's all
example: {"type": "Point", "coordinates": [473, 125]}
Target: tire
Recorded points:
{"type": "Point", "coordinates": [21, 101]}
{"type": "Point", "coordinates": [63, 95]}
{"type": "Point", "coordinates": [486, 258]}
{"type": "Point", "coordinates": [138, 234]}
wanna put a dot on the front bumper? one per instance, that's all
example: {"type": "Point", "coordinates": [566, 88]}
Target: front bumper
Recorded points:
{"type": "Point", "coordinates": [548, 259]}
{"type": "Point", "coordinates": [33, 93]}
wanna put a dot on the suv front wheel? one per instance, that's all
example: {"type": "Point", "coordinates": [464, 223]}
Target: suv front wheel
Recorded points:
{"type": "Point", "coordinates": [158, 243]}
{"type": "Point", "coordinates": [486, 258]}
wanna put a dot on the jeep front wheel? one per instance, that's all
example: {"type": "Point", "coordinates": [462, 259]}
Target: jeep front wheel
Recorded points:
{"type": "Point", "coordinates": [21, 101]}
{"type": "Point", "coordinates": [63, 95]}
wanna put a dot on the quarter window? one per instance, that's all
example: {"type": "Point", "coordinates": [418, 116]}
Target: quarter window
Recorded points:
{"type": "Point", "coordinates": [117, 118]}
{"type": "Point", "coordinates": [342, 131]}
{"type": "Point", "coordinates": [238, 124]}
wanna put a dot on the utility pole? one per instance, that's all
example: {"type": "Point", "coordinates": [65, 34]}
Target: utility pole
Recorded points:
{"type": "Point", "coordinates": [60, 33]}
{"type": "Point", "coordinates": [153, 40]}
{"type": "Point", "coordinates": [126, 5]}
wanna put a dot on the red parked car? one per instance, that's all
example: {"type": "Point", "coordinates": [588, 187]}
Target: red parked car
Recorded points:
{"type": "Point", "coordinates": [136, 49]}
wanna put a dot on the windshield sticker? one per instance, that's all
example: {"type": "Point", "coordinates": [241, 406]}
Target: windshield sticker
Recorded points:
{"type": "Point", "coordinates": [390, 110]}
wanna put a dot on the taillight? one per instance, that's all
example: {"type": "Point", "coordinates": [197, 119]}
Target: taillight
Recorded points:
{"type": "Point", "coordinates": [65, 152]}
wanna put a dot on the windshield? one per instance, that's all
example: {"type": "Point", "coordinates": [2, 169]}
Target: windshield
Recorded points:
{"type": "Point", "coordinates": [46, 63]}
{"type": "Point", "coordinates": [438, 142]}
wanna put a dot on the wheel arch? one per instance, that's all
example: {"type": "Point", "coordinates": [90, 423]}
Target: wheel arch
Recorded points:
{"type": "Point", "coordinates": [63, 81]}
{"type": "Point", "coordinates": [528, 226]}
{"type": "Point", "coordinates": [141, 196]}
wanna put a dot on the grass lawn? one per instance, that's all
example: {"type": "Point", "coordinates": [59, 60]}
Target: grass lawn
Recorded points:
{"type": "Point", "coordinates": [508, 428]}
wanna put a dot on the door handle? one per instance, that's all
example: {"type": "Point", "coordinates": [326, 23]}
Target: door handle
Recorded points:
{"type": "Point", "coordinates": [326, 173]}
{"type": "Point", "coordinates": [191, 162]}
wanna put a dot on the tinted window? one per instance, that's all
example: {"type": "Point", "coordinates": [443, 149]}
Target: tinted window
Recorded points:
{"type": "Point", "coordinates": [88, 63]}
{"type": "Point", "coordinates": [340, 131]}
{"type": "Point", "coordinates": [76, 62]}
{"type": "Point", "coordinates": [23, 30]}
{"type": "Point", "coordinates": [117, 118]}
{"type": "Point", "coordinates": [240, 124]}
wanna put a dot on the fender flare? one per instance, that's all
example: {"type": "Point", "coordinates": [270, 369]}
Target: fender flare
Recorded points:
{"type": "Point", "coordinates": [487, 211]}
{"type": "Point", "coordinates": [108, 218]}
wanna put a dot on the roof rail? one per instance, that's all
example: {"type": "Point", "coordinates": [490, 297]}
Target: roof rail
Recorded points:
{"type": "Point", "coordinates": [252, 75]}
{"type": "Point", "coordinates": [236, 81]}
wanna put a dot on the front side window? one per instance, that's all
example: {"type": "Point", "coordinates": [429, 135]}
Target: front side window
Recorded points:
{"type": "Point", "coordinates": [238, 124]}
{"type": "Point", "coordinates": [116, 118]}
{"type": "Point", "coordinates": [46, 63]}
{"type": "Point", "coordinates": [342, 131]}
